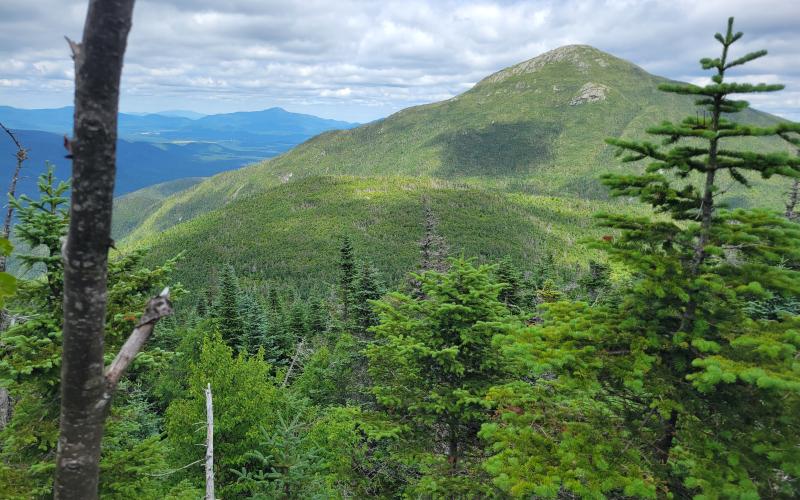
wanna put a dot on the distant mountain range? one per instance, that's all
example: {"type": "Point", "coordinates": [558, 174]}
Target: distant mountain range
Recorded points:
{"type": "Point", "coordinates": [155, 148]}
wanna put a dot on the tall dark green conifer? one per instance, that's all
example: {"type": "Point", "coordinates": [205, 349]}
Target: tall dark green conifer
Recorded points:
{"type": "Point", "coordinates": [367, 287]}
{"type": "Point", "coordinates": [254, 319]}
{"type": "Point", "coordinates": [317, 316]}
{"type": "Point", "coordinates": [296, 323]}
{"type": "Point", "coordinates": [511, 279]}
{"type": "Point", "coordinates": [227, 310]}
{"type": "Point", "coordinates": [347, 273]}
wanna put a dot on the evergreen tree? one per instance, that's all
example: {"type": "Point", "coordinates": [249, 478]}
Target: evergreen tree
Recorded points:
{"type": "Point", "coordinates": [296, 326]}
{"type": "Point", "coordinates": [794, 191]}
{"type": "Point", "coordinates": [432, 363]}
{"type": "Point", "coordinates": [512, 294]}
{"type": "Point", "coordinates": [548, 292]}
{"type": "Point", "coordinates": [30, 358]}
{"type": "Point", "coordinates": [255, 321]}
{"type": "Point", "coordinates": [696, 277]}
{"type": "Point", "coordinates": [367, 287]}
{"type": "Point", "coordinates": [317, 317]}
{"type": "Point", "coordinates": [347, 272]}
{"type": "Point", "coordinates": [596, 281]}
{"type": "Point", "coordinates": [42, 223]}
{"type": "Point", "coordinates": [227, 310]}
{"type": "Point", "coordinates": [694, 396]}
{"type": "Point", "coordinates": [278, 341]}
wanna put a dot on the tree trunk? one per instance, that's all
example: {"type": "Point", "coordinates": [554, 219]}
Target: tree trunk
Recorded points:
{"type": "Point", "coordinates": [452, 446]}
{"type": "Point", "coordinates": [98, 68]}
{"type": "Point", "coordinates": [665, 443]}
{"type": "Point", "coordinates": [22, 155]}
{"type": "Point", "coordinates": [209, 445]}
{"type": "Point", "coordinates": [6, 408]}
{"type": "Point", "coordinates": [791, 205]}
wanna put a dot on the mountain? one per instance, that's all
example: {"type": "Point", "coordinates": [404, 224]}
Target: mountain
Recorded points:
{"type": "Point", "coordinates": [181, 113]}
{"type": "Point", "coordinates": [177, 126]}
{"type": "Point", "coordinates": [129, 209]}
{"type": "Point", "coordinates": [139, 164]}
{"type": "Point", "coordinates": [530, 137]}
{"type": "Point", "coordinates": [156, 148]}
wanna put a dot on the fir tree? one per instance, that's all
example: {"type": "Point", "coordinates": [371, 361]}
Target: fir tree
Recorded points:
{"type": "Point", "coordinates": [596, 281]}
{"type": "Point", "coordinates": [317, 317]}
{"type": "Point", "coordinates": [367, 288]}
{"type": "Point", "coordinates": [255, 321]}
{"type": "Point", "coordinates": [434, 360]}
{"type": "Point", "coordinates": [794, 191]}
{"type": "Point", "coordinates": [347, 270]}
{"type": "Point", "coordinates": [279, 343]}
{"type": "Point", "coordinates": [42, 223]}
{"type": "Point", "coordinates": [510, 278]}
{"type": "Point", "coordinates": [695, 398]}
{"type": "Point", "coordinates": [296, 326]}
{"type": "Point", "coordinates": [227, 310]}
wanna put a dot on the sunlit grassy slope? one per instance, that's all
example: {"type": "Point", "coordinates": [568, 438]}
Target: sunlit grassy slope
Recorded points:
{"type": "Point", "coordinates": [131, 209]}
{"type": "Point", "coordinates": [513, 163]}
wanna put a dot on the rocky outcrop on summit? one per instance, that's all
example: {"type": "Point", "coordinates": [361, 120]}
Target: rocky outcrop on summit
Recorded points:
{"type": "Point", "coordinates": [582, 56]}
{"type": "Point", "coordinates": [591, 92]}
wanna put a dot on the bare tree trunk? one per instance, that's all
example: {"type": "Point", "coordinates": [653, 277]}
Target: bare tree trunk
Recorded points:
{"type": "Point", "coordinates": [22, 155]}
{"type": "Point", "coordinates": [791, 205]}
{"type": "Point", "coordinates": [84, 389]}
{"type": "Point", "coordinates": [297, 353]}
{"type": "Point", "coordinates": [5, 408]}
{"type": "Point", "coordinates": [209, 445]}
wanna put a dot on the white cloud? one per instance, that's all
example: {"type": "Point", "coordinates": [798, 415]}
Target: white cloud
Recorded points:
{"type": "Point", "coordinates": [361, 59]}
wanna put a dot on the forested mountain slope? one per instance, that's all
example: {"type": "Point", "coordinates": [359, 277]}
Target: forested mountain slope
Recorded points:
{"type": "Point", "coordinates": [530, 132]}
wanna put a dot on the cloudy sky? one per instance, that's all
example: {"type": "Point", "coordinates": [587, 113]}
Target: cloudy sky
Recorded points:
{"type": "Point", "coordinates": [363, 59]}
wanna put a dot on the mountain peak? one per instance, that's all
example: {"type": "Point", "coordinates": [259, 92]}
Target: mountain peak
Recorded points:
{"type": "Point", "coordinates": [582, 56]}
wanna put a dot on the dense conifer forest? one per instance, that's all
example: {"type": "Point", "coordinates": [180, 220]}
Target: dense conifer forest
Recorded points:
{"type": "Point", "coordinates": [474, 339]}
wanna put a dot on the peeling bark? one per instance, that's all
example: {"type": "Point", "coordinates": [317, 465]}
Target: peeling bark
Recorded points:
{"type": "Point", "coordinates": [84, 391]}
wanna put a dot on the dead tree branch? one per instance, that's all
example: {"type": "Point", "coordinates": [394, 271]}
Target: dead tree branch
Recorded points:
{"type": "Point", "coordinates": [22, 155]}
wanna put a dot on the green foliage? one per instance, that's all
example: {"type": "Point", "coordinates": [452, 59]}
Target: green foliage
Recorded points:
{"type": "Point", "coordinates": [30, 357]}
{"type": "Point", "coordinates": [434, 361]}
{"type": "Point", "coordinates": [288, 466]}
{"type": "Point", "coordinates": [367, 288]}
{"type": "Point", "coordinates": [289, 236]}
{"type": "Point", "coordinates": [245, 400]}
{"type": "Point", "coordinates": [8, 283]}
{"type": "Point", "coordinates": [558, 429]}
{"type": "Point", "coordinates": [228, 311]}
{"type": "Point", "coordinates": [695, 397]}
{"type": "Point", "coordinates": [347, 275]}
